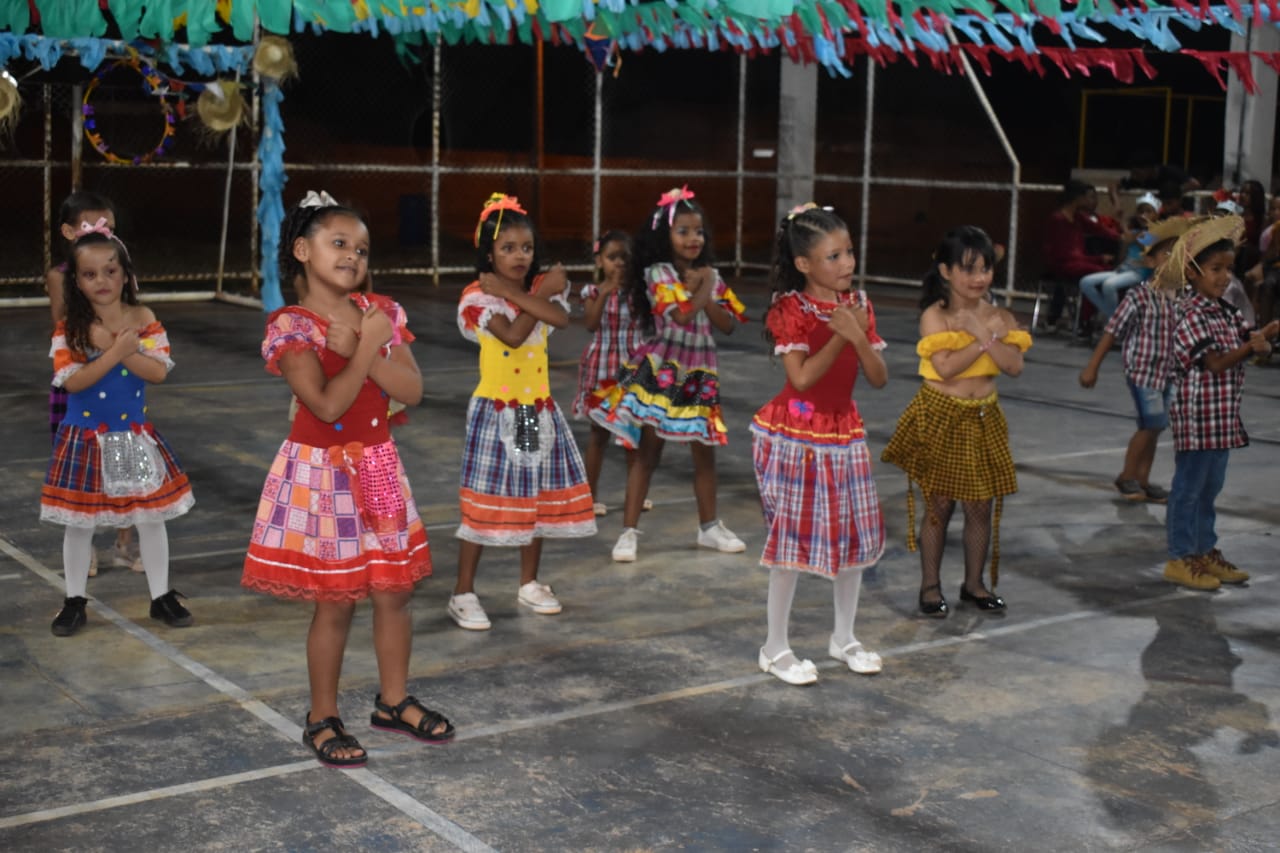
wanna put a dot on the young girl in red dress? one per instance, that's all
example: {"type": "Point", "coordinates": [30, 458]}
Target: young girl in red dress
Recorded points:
{"type": "Point", "coordinates": [809, 447]}
{"type": "Point", "coordinates": [337, 522]}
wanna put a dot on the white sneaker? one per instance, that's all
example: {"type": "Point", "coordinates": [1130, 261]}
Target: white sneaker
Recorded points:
{"type": "Point", "coordinates": [625, 550]}
{"type": "Point", "coordinates": [720, 538]}
{"type": "Point", "coordinates": [467, 612]}
{"type": "Point", "coordinates": [599, 508]}
{"type": "Point", "coordinates": [858, 659]}
{"type": "Point", "coordinates": [539, 598]}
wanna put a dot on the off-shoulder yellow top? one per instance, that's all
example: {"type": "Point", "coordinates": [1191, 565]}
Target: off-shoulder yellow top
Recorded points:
{"type": "Point", "coordinates": [984, 366]}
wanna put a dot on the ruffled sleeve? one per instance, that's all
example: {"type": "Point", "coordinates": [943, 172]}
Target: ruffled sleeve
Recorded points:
{"type": "Point", "coordinates": [65, 362]}
{"type": "Point", "coordinates": [1018, 338]}
{"type": "Point", "coordinates": [666, 291]}
{"type": "Point", "coordinates": [400, 333]}
{"type": "Point", "coordinates": [789, 324]}
{"type": "Point", "coordinates": [290, 330]}
{"type": "Point", "coordinates": [153, 342]}
{"type": "Point", "coordinates": [589, 291]}
{"type": "Point", "coordinates": [729, 301]}
{"type": "Point", "coordinates": [873, 336]}
{"type": "Point", "coordinates": [476, 308]}
{"type": "Point", "coordinates": [941, 342]}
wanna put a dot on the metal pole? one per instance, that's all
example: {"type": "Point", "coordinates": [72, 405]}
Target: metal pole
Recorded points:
{"type": "Point", "coordinates": [255, 175]}
{"type": "Point", "coordinates": [226, 202]}
{"type": "Point", "coordinates": [435, 163]}
{"type": "Point", "coordinates": [742, 155]}
{"type": "Point", "coordinates": [597, 157]}
{"type": "Point", "coordinates": [77, 133]}
{"type": "Point", "coordinates": [978, 91]}
{"type": "Point", "coordinates": [864, 225]}
{"type": "Point", "coordinates": [48, 175]}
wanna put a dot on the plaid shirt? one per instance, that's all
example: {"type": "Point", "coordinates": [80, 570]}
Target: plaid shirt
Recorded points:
{"type": "Point", "coordinates": [1205, 410]}
{"type": "Point", "coordinates": [1145, 322]}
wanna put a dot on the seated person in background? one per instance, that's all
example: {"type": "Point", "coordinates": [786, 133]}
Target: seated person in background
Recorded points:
{"type": "Point", "coordinates": [1105, 291]}
{"type": "Point", "coordinates": [1065, 255]}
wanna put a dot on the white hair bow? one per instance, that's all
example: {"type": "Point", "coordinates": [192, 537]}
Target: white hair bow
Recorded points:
{"type": "Point", "coordinates": [318, 199]}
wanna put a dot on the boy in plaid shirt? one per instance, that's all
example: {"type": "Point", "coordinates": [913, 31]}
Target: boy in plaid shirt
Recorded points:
{"type": "Point", "coordinates": [1144, 322]}
{"type": "Point", "coordinates": [1210, 347]}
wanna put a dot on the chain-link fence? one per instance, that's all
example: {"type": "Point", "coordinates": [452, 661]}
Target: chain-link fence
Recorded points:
{"type": "Point", "coordinates": [419, 146]}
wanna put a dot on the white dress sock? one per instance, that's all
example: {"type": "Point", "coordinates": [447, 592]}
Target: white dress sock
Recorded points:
{"type": "Point", "coordinates": [153, 545]}
{"type": "Point", "coordinates": [77, 550]}
{"type": "Point", "coordinates": [782, 590]}
{"type": "Point", "coordinates": [845, 589]}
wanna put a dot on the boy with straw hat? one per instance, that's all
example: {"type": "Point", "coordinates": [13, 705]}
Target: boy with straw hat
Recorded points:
{"type": "Point", "coordinates": [1211, 344]}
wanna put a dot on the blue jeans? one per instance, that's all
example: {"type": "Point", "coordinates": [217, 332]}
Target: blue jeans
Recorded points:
{"type": "Point", "coordinates": [1105, 289]}
{"type": "Point", "coordinates": [1198, 476]}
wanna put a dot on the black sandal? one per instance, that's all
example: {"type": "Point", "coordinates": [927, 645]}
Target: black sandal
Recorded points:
{"type": "Point", "coordinates": [340, 740]}
{"type": "Point", "coordinates": [425, 731]}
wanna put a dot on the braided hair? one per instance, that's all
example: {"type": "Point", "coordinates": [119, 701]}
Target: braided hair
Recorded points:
{"type": "Point", "coordinates": [962, 246]}
{"type": "Point", "coordinates": [80, 313]}
{"type": "Point", "coordinates": [300, 223]}
{"type": "Point", "coordinates": [653, 246]}
{"type": "Point", "coordinates": [492, 225]}
{"type": "Point", "coordinates": [797, 234]}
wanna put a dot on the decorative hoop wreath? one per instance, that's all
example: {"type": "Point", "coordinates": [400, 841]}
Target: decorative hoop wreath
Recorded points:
{"type": "Point", "coordinates": [153, 83]}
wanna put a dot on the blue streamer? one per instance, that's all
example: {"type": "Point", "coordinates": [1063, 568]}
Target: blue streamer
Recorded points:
{"type": "Point", "coordinates": [271, 185]}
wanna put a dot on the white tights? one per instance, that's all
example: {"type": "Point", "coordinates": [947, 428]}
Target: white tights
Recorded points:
{"type": "Point", "coordinates": [782, 590]}
{"type": "Point", "coordinates": [153, 545]}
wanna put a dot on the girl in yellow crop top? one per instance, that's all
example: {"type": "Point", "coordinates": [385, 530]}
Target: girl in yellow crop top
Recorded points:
{"type": "Point", "coordinates": [952, 439]}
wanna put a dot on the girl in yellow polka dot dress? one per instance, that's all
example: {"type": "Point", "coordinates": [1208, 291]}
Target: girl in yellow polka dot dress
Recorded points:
{"type": "Point", "coordinates": [110, 467]}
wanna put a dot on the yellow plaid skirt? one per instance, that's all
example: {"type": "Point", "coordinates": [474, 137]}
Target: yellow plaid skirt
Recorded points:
{"type": "Point", "coordinates": [956, 448]}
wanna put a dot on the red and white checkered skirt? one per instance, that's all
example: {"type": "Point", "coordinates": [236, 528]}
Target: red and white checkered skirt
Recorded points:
{"type": "Point", "coordinates": [820, 505]}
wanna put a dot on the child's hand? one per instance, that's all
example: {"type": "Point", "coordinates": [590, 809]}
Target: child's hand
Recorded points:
{"type": "Point", "coordinates": [1258, 342]}
{"type": "Point", "coordinates": [1270, 330]}
{"type": "Point", "coordinates": [375, 326]}
{"type": "Point", "coordinates": [126, 343]}
{"type": "Point", "coordinates": [696, 279]}
{"type": "Point", "coordinates": [1088, 377]}
{"type": "Point", "coordinates": [494, 286]}
{"type": "Point", "coordinates": [342, 338]}
{"type": "Point", "coordinates": [846, 323]}
{"type": "Point", "coordinates": [100, 338]}
{"type": "Point", "coordinates": [553, 282]}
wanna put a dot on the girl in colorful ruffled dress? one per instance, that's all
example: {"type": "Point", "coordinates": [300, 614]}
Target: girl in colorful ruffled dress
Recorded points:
{"type": "Point", "coordinates": [669, 389]}
{"type": "Point", "coordinates": [522, 476]}
{"type": "Point", "coordinates": [607, 314]}
{"type": "Point", "coordinates": [77, 210]}
{"type": "Point", "coordinates": [336, 521]}
{"type": "Point", "coordinates": [952, 439]}
{"type": "Point", "coordinates": [809, 446]}
{"type": "Point", "coordinates": [110, 467]}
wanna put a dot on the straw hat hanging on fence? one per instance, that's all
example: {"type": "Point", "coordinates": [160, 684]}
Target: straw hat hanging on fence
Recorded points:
{"type": "Point", "coordinates": [10, 104]}
{"type": "Point", "coordinates": [221, 106]}
{"type": "Point", "coordinates": [274, 60]}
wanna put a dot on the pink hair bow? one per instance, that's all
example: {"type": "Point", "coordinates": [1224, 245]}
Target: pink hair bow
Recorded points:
{"type": "Point", "coordinates": [99, 227]}
{"type": "Point", "coordinates": [671, 200]}
{"type": "Point", "coordinates": [498, 202]}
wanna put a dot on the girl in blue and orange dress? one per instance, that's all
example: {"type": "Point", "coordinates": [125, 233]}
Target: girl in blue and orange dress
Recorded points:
{"type": "Point", "coordinates": [77, 210]}
{"type": "Point", "coordinates": [336, 521]}
{"type": "Point", "coordinates": [522, 475]}
{"type": "Point", "coordinates": [104, 353]}
{"type": "Point", "coordinates": [669, 389]}
{"type": "Point", "coordinates": [809, 446]}
{"type": "Point", "coordinates": [952, 439]}
{"type": "Point", "coordinates": [607, 314]}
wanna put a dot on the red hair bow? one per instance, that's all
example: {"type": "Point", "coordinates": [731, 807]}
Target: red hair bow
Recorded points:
{"type": "Point", "coordinates": [498, 202]}
{"type": "Point", "coordinates": [670, 200]}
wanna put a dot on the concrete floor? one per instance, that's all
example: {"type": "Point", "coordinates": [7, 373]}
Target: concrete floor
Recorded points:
{"type": "Point", "coordinates": [1107, 711]}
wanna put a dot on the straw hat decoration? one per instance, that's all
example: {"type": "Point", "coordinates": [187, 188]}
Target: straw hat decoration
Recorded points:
{"type": "Point", "coordinates": [274, 60]}
{"type": "Point", "coordinates": [1203, 233]}
{"type": "Point", "coordinates": [1166, 229]}
{"type": "Point", "coordinates": [10, 103]}
{"type": "Point", "coordinates": [221, 106]}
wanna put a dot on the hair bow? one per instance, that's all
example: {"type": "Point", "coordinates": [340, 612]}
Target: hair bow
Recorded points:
{"type": "Point", "coordinates": [498, 202]}
{"type": "Point", "coordinates": [318, 199]}
{"type": "Point", "coordinates": [671, 200]}
{"type": "Point", "coordinates": [99, 227]}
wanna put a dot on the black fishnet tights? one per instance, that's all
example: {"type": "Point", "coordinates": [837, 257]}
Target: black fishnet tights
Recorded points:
{"type": "Point", "coordinates": [933, 540]}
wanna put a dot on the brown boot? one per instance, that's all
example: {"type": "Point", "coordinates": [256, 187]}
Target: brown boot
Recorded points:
{"type": "Point", "coordinates": [1190, 572]}
{"type": "Point", "coordinates": [1223, 569]}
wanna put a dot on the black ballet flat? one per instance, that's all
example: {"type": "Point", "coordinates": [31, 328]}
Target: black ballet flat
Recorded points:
{"type": "Point", "coordinates": [935, 609]}
{"type": "Point", "coordinates": [990, 601]}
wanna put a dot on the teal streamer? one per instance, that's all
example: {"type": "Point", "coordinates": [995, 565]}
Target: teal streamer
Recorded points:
{"type": "Point", "coordinates": [271, 186]}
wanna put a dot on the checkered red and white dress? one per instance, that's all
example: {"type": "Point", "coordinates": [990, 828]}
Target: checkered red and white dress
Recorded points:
{"type": "Point", "coordinates": [616, 338]}
{"type": "Point", "coordinates": [810, 451]}
{"type": "Point", "coordinates": [336, 519]}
